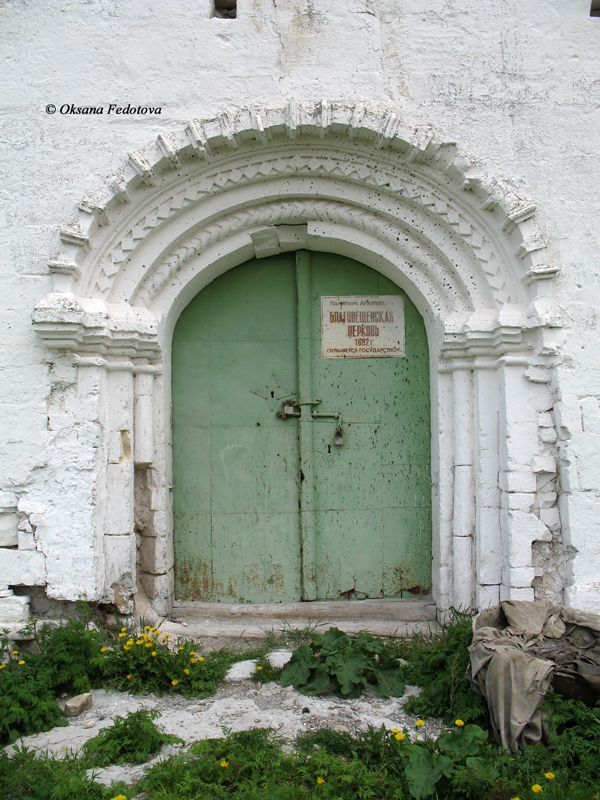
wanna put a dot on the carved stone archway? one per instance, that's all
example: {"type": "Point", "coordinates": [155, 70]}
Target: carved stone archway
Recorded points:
{"type": "Point", "coordinates": [351, 180]}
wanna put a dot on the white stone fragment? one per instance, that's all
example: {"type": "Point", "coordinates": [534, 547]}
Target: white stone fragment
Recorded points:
{"type": "Point", "coordinates": [242, 671]}
{"type": "Point", "coordinates": [279, 658]}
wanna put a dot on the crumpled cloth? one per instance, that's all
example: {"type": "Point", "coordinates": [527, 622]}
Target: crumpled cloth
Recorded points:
{"type": "Point", "coordinates": [518, 649]}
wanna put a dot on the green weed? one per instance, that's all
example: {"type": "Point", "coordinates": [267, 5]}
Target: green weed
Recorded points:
{"type": "Point", "coordinates": [347, 664]}
{"type": "Point", "coordinates": [438, 664]}
{"type": "Point", "coordinates": [131, 739]}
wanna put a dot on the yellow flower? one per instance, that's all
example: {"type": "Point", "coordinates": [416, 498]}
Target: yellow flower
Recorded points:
{"type": "Point", "coordinates": [21, 663]}
{"type": "Point", "coordinates": [2, 666]}
{"type": "Point", "coordinates": [180, 649]}
{"type": "Point", "coordinates": [147, 628]}
{"type": "Point", "coordinates": [399, 736]}
{"type": "Point", "coordinates": [148, 644]}
{"type": "Point", "coordinates": [166, 635]}
{"type": "Point", "coordinates": [200, 658]}
{"type": "Point", "coordinates": [224, 764]}
{"type": "Point", "coordinates": [419, 723]}
{"type": "Point", "coordinates": [515, 798]}
{"type": "Point", "coordinates": [122, 635]}
{"type": "Point", "coordinates": [549, 776]}
{"type": "Point", "coordinates": [258, 669]}
{"type": "Point", "coordinates": [174, 683]}
{"type": "Point", "coordinates": [536, 788]}
{"type": "Point", "coordinates": [193, 661]}
{"type": "Point", "coordinates": [123, 630]}
{"type": "Point", "coordinates": [15, 652]}
{"type": "Point", "coordinates": [192, 653]}
{"type": "Point", "coordinates": [320, 780]}
{"type": "Point", "coordinates": [129, 677]}
{"type": "Point", "coordinates": [103, 649]}
{"type": "Point", "coordinates": [459, 723]}
{"type": "Point", "coordinates": [395, 730]}
{"type": "Point", "coordinates": [126, 648]}
{"type": "Point", "coordinates": [153, 654]}
{"type": "Point", "coordinates": [129, 642]}
{"type": "Point", "coordinates": [187, 672]}
{"type": "Point", "coordinates": [139, 641]}
{"type": "Point", "coordinates": [119, 797]}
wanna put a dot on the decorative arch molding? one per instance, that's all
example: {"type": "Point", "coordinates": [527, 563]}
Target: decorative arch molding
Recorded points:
{"type": "Point", "coordinates": [349, 179]}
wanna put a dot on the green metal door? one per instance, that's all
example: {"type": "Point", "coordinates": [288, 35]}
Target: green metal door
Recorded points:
{"type": "Point", "coordinates": [267, 506]}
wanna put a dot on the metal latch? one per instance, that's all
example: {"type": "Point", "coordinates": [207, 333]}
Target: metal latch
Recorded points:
{"type": "Point", "coordinates": [290, 409]}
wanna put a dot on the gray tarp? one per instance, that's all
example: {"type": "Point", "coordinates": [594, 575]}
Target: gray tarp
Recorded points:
{"type": "Point", "coordinates": [518, 649]}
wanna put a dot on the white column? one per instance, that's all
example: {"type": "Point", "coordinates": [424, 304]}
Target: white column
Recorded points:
{"type": "Point", "coordinates": [119, 537]}
{"type": "Point", "coordinates": [488, 539]}
{"type": "Point", "coordinates": [464, 500]}
{"type": "Point", "coordinates": [144, 419]}
{"type": "Point", "coordinates": [443, 496]}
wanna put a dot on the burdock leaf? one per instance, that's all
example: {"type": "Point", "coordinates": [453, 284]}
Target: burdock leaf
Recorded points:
{"type": "Point", "coordinates": [348, 668]}
{"type": "Point", "coordinates": [296, 672]}
{"type": "Point", "coordinates": [390, 681]}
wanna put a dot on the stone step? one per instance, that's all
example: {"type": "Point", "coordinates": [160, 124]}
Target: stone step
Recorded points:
{"type": "Point", "coordinates": [420, 610]}
{"type": "Point", "coordinates": [257, 621]}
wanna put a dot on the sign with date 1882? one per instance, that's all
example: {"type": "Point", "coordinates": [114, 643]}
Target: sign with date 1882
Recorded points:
{"type": "Point", "coordinates": [370, 326]}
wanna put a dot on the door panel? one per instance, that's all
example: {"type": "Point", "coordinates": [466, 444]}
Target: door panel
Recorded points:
{"type": "Point", "coordinates": [235, 463]}
{"type": "Point", "coordinates": [378, 543]}
{"type": "Point", "coordinates": [249, 502]}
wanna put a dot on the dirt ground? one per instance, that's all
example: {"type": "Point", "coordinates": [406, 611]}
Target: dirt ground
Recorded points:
{"type": "Point", "coordinates": [239, 704]}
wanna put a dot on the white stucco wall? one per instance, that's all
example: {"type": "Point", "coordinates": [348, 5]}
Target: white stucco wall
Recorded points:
{"type": "Point", "coordinates": [514, 84]}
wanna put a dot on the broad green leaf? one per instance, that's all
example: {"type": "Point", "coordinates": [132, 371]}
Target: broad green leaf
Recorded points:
{"type": "Point", "coordinates": [422, 773]}
{"type": "Point", "coordinates": [369, 643]}
{"type": "Point", "coordinates": [317, 683]}
{"type": "Point", "coordinates": [390, 681]}
{"type": "Point", "coordinates": [482, 767]}
{"type": "Point", "coordinates": [462, 742]}
{"type": "Point", "coordinates": [332, 641]}
{"type": "Point", "coordinates": [348, 668]}
{"type": "Point", "coordinates": [297, 671]}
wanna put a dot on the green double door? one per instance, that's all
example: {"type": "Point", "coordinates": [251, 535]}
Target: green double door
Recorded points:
{"type": "Point", "coordinates": [297, 476]}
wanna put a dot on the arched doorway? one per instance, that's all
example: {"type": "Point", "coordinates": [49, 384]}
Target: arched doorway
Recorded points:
{"type": "Point", "coordinates": [301, 472]}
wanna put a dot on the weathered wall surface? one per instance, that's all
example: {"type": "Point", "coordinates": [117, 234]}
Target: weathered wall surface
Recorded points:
{"type": "Point", "coordinates": [515, 84]}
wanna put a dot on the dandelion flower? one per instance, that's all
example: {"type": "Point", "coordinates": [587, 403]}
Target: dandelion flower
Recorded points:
{"type": "Point", "coordinates": [200, 658]}
{"type": "Point", "coordinates": [399, 736]}
{"type": "Point", "coordinates": [320, 780]}
{"type": "Point", "coordinates": [187, 672]}
{"type": "Point", "coordinates": [21, 663]}
{"type": "Point", "coordinates": [166, 635]}
{"type": "Point", "coordinates": [395, 730]}
{"type": "Point", "coordinates": [147, 628]}
{"type": "Point", "coordinates": [148, 644]}
{"type": "Point", "coordinates": [103, 649]}
{"type": "Point", "coordinates": [129, 642]}
{"type": "Point", "coordinates": [119, 797]}
{"type": "Point", "coordinates": [193, 661]}
{"type": "Point", "coordinates": [139, 641]}
{"type": "Point", "coordinates": [174, 683]}
{"type": "Point", "coordinates": [224, 764]}
{"type": "Point", "coordinates": [122, 635]}
{"type": "Point", "coordinates": [459, 723]}
{"type": "Point", "coordinates": [153, 654]}
{"type": "Point", "coordinates": [15, 652]}
{"type": "Point", "coordinates": [549, 776]}
{"type": "Point", "coordinates": [129, 677]}
{"type": "Point", "coordinates": [180, 649]}
{"type": "Point", "coordinates": [515, 798]}
{"type": "Point", "coordinates": [419, 723]}
{"type": "Point", "coordinates": [258, 669]}
{"type": "Point", "coordinates": [536, 788]}
{"type": "Point", "coordinates": [2, 666]}
{"type": "Point", "coordinates": [123, 630]}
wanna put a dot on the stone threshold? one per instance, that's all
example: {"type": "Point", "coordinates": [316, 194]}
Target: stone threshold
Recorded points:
{"type": "Point", "coordinates": [256, 621]}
